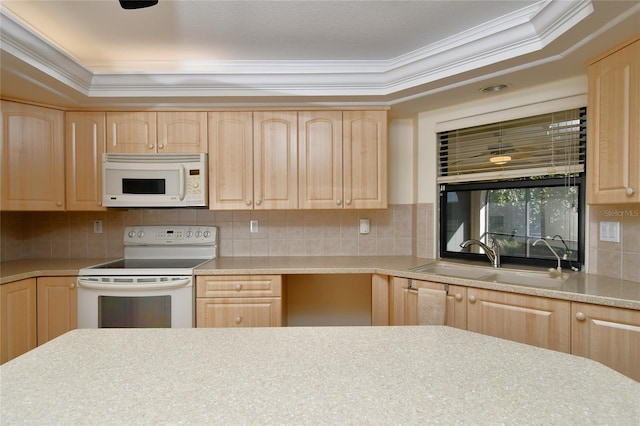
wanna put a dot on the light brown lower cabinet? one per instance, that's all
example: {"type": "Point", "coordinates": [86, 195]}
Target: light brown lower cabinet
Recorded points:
{"type": "Point", "coordinates": [533, 320]}
{"type": "Point", "coordinates": [240, 301]}
{"type": "Point", "coordinates": [404, 304]}
{"type": "Point", "coordinates": [608, 335]}
{"type": "Point", "coordinates": [17, 318]}
{"type": "Point", "coordinates": [57, 307]}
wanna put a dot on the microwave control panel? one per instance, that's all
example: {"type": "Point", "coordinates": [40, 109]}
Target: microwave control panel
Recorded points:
{"type": "Point", "coordinates": [196, 187]}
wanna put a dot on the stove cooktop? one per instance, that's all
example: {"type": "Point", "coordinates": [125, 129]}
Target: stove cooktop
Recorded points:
{"type": "Point", "coordinates": [150, 264]}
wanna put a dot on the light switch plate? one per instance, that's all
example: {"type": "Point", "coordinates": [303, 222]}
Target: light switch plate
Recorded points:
{"type": "Point", "coordinates": [253, 226]}
{"type": "Point", "coordinates": [610, 231]}
{"type": "Point", "coordinates": [365, 226]}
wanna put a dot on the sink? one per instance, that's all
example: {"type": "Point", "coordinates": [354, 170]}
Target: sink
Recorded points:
{"type": "Point", "coordinates": [541, 279]}
{"type": "Point", "coordinates": [455, 270]}
{"type": "Point", "coordinates": [528, 278]}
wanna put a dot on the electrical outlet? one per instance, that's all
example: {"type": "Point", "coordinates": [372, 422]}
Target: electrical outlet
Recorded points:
{"type": "Point", "coordinates": [97, 227]}
{"type": "Point", "coordinates": [253, 226]}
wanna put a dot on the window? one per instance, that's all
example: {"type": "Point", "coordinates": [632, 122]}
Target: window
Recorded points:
{"type": "Point", "coordinates": [519, 197]}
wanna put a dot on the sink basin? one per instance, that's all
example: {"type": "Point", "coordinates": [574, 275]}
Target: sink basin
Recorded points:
{"type": "Point", "coordinates": [454, 270]}
{"type": "Point", "coordinates": [528, 278]}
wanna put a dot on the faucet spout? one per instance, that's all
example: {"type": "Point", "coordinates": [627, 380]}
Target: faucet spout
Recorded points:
{"type": "Point", "coordinates": [493, 252]}
{"type": "Point", "coordinates": [558, 268]}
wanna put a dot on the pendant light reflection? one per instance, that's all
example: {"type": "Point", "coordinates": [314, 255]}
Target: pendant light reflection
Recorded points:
{"type": "Point", "coordinates": [500, 159]}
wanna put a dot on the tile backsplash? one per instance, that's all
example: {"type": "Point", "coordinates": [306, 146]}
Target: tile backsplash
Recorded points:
{"type": "Point", "coordinates": [617, 260]}
{"type": "Point", "coordinates": [402, 229]}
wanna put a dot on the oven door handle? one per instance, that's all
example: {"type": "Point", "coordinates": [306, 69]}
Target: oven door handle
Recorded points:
{"type": "Point", "coordinates": [150, 286]}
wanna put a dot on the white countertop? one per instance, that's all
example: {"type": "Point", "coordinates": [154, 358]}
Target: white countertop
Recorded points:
{"type": "Point", "coordinates": [315, 375]}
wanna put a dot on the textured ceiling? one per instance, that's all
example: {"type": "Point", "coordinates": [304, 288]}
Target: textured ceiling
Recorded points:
{"type": "Point", "coordinates": [411, 55]}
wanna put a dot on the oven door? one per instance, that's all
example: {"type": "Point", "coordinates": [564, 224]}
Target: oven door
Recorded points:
{"type": "Point", "coordinates": [135, 302]}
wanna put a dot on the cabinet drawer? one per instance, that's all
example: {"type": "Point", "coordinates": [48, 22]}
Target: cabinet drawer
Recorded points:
{"type": "Point", "coordinates": [237, 312]}
{"type": "Point", "coordinates": [239, 286]}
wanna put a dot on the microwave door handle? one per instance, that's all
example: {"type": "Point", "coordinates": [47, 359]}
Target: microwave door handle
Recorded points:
{"type": "Point", "coordinates": [151, 286]}
{"type": "Point", "coordinates": [183, 172]}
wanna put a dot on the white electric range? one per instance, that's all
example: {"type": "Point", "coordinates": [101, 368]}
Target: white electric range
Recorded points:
{"type": "Point", "coordinates": [153, 285]}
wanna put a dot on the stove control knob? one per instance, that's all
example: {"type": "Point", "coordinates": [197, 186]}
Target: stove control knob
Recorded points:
{"type": "Point", "coordinates": [140, 234]}
{"type": "Point", "coordinates": [198, 234]}
{"type": "Point", "coordinates": [207, 234]}
{"type": "Point", "coordinates": [132, 234]}
{"type": "Point", "coordinates": [189, 234]}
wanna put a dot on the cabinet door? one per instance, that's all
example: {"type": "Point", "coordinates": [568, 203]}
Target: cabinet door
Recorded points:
{"type": "Point", "coordinates": [230, 160]}
{"type": "Point", "coordinates": [85, 143]}
{"type": "Point", "coordinates": [57, 307]}
{"type": "Point", "coordinates": [614, 127]}
{"type": "Point", "coordinates": [17, 318]}
{"type": "Point", "coordinates": [537, 321]}
{"type": "Point", "coordinates": [239, 312]}
{"type": "Point", "coordinates": [365, 159]}
{"type": "Point", "coordinates": [182, 132]}
{"type": "Point", "coordinates": [320, 166]}
{"type": "Point", "coordinates": [32, 158]}
{"type": "Point", "coordinates": [607, 335]}
{"type": "Point", "coordinates": [405, 302]}
{"type": "Point", "coordinates": [275, 160]}
{"type": "Point", "coordinates": [131, 132]}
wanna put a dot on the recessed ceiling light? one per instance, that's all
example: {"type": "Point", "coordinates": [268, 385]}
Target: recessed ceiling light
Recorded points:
{"type": "Point", "coordinates": [495, 88]}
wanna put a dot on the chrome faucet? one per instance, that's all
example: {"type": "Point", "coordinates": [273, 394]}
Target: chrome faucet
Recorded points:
{"type": "Point", "coordinates": [493, 252]}
{"type": "Point", "coordinates": [558, 268]}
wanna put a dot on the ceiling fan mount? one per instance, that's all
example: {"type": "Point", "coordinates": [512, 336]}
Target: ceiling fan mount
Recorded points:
{"type": "Point", "coordinates": [137, 4]}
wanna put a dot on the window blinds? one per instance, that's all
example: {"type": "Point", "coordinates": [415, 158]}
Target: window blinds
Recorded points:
{"type": "Point", "coordinates": [542, 145]}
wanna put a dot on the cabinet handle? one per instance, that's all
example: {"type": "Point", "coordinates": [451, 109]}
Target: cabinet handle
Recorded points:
{"type": "Point", "coordinates": [72, 285]}
{"type": "Point", "coordinates": [150, 146]}
{"type": "Point", "coordinates": [348, 202]}
{"type": "Point", "coordinates": [248, 202]}
{"type": "Point", "coordinates": [99, 203]}
{"type": "Point", "coordinates": [338, 202]}
{"type": "Point", "coordinates": [472, 299]}
{"type": "Point", "coordinates": [629, 191]}
{"type": "Point", "coordinates": [258, 202]}
{"type": "Point", "coordinates": [59, 203]}
{"type": "Point", "coordinates": [238, 287]}
{"type": "Point", "coordinates": [238, 319]}
{"type": "Point", "coordinates": [160, 146]}
{"type": "Point", "coordinates": [458, 296]}
{"type": "Point", "coordinates": [580, 316]}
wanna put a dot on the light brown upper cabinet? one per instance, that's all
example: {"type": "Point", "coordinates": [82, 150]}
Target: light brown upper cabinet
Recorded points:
{"type": "Point", "coordinates": [156, 132]}
{"type": "Point", "coordinates": [613, 142]}
{"type": "Point", "coordinates": [320, 166]}
{"type": "Point", "coordinates": [275, 160]}
{"type": "Point", "coordinates": [253, 160]}
{"type": "Point", "coordinates": [343, 159]}
{"type": "Point", "coordinates": [84, 145]}
{"type": "Point", "coordinates": [32, 158]}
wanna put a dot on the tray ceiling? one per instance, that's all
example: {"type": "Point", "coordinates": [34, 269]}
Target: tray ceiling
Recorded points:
{"type": "Point", "coordinates": [405, 54]}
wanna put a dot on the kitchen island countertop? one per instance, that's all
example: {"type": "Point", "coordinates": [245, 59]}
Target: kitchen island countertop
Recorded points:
{"type": "Point", "coordinates": [308, 375]}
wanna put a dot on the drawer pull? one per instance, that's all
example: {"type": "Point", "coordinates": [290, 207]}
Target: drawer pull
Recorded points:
{"type": "Point", "coordinates": [629, 191]}
{"type": "Point", "coordinates": [72, 285]}
{"type": "Point", "coordinates": [238, 287]}
{"type": "Point", "coordinates": [580, 316]}
{"type": "Point", "coordinates": [458, 296]}
{"type": "Point", "coordinates": [238, 319]}
{"type": "Point", "coordinates": [472, 299]}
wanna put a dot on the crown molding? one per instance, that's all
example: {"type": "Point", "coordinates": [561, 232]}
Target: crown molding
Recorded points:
{"type": "Point", "coordinates": [524, 31]}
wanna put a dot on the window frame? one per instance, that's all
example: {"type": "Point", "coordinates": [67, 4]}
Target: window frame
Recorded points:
{"type": "Point", "coordinates": [578, 180]}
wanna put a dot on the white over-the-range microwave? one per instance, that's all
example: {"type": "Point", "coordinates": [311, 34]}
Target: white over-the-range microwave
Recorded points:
{"type": "Point", "coordinates": [154, 180]}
